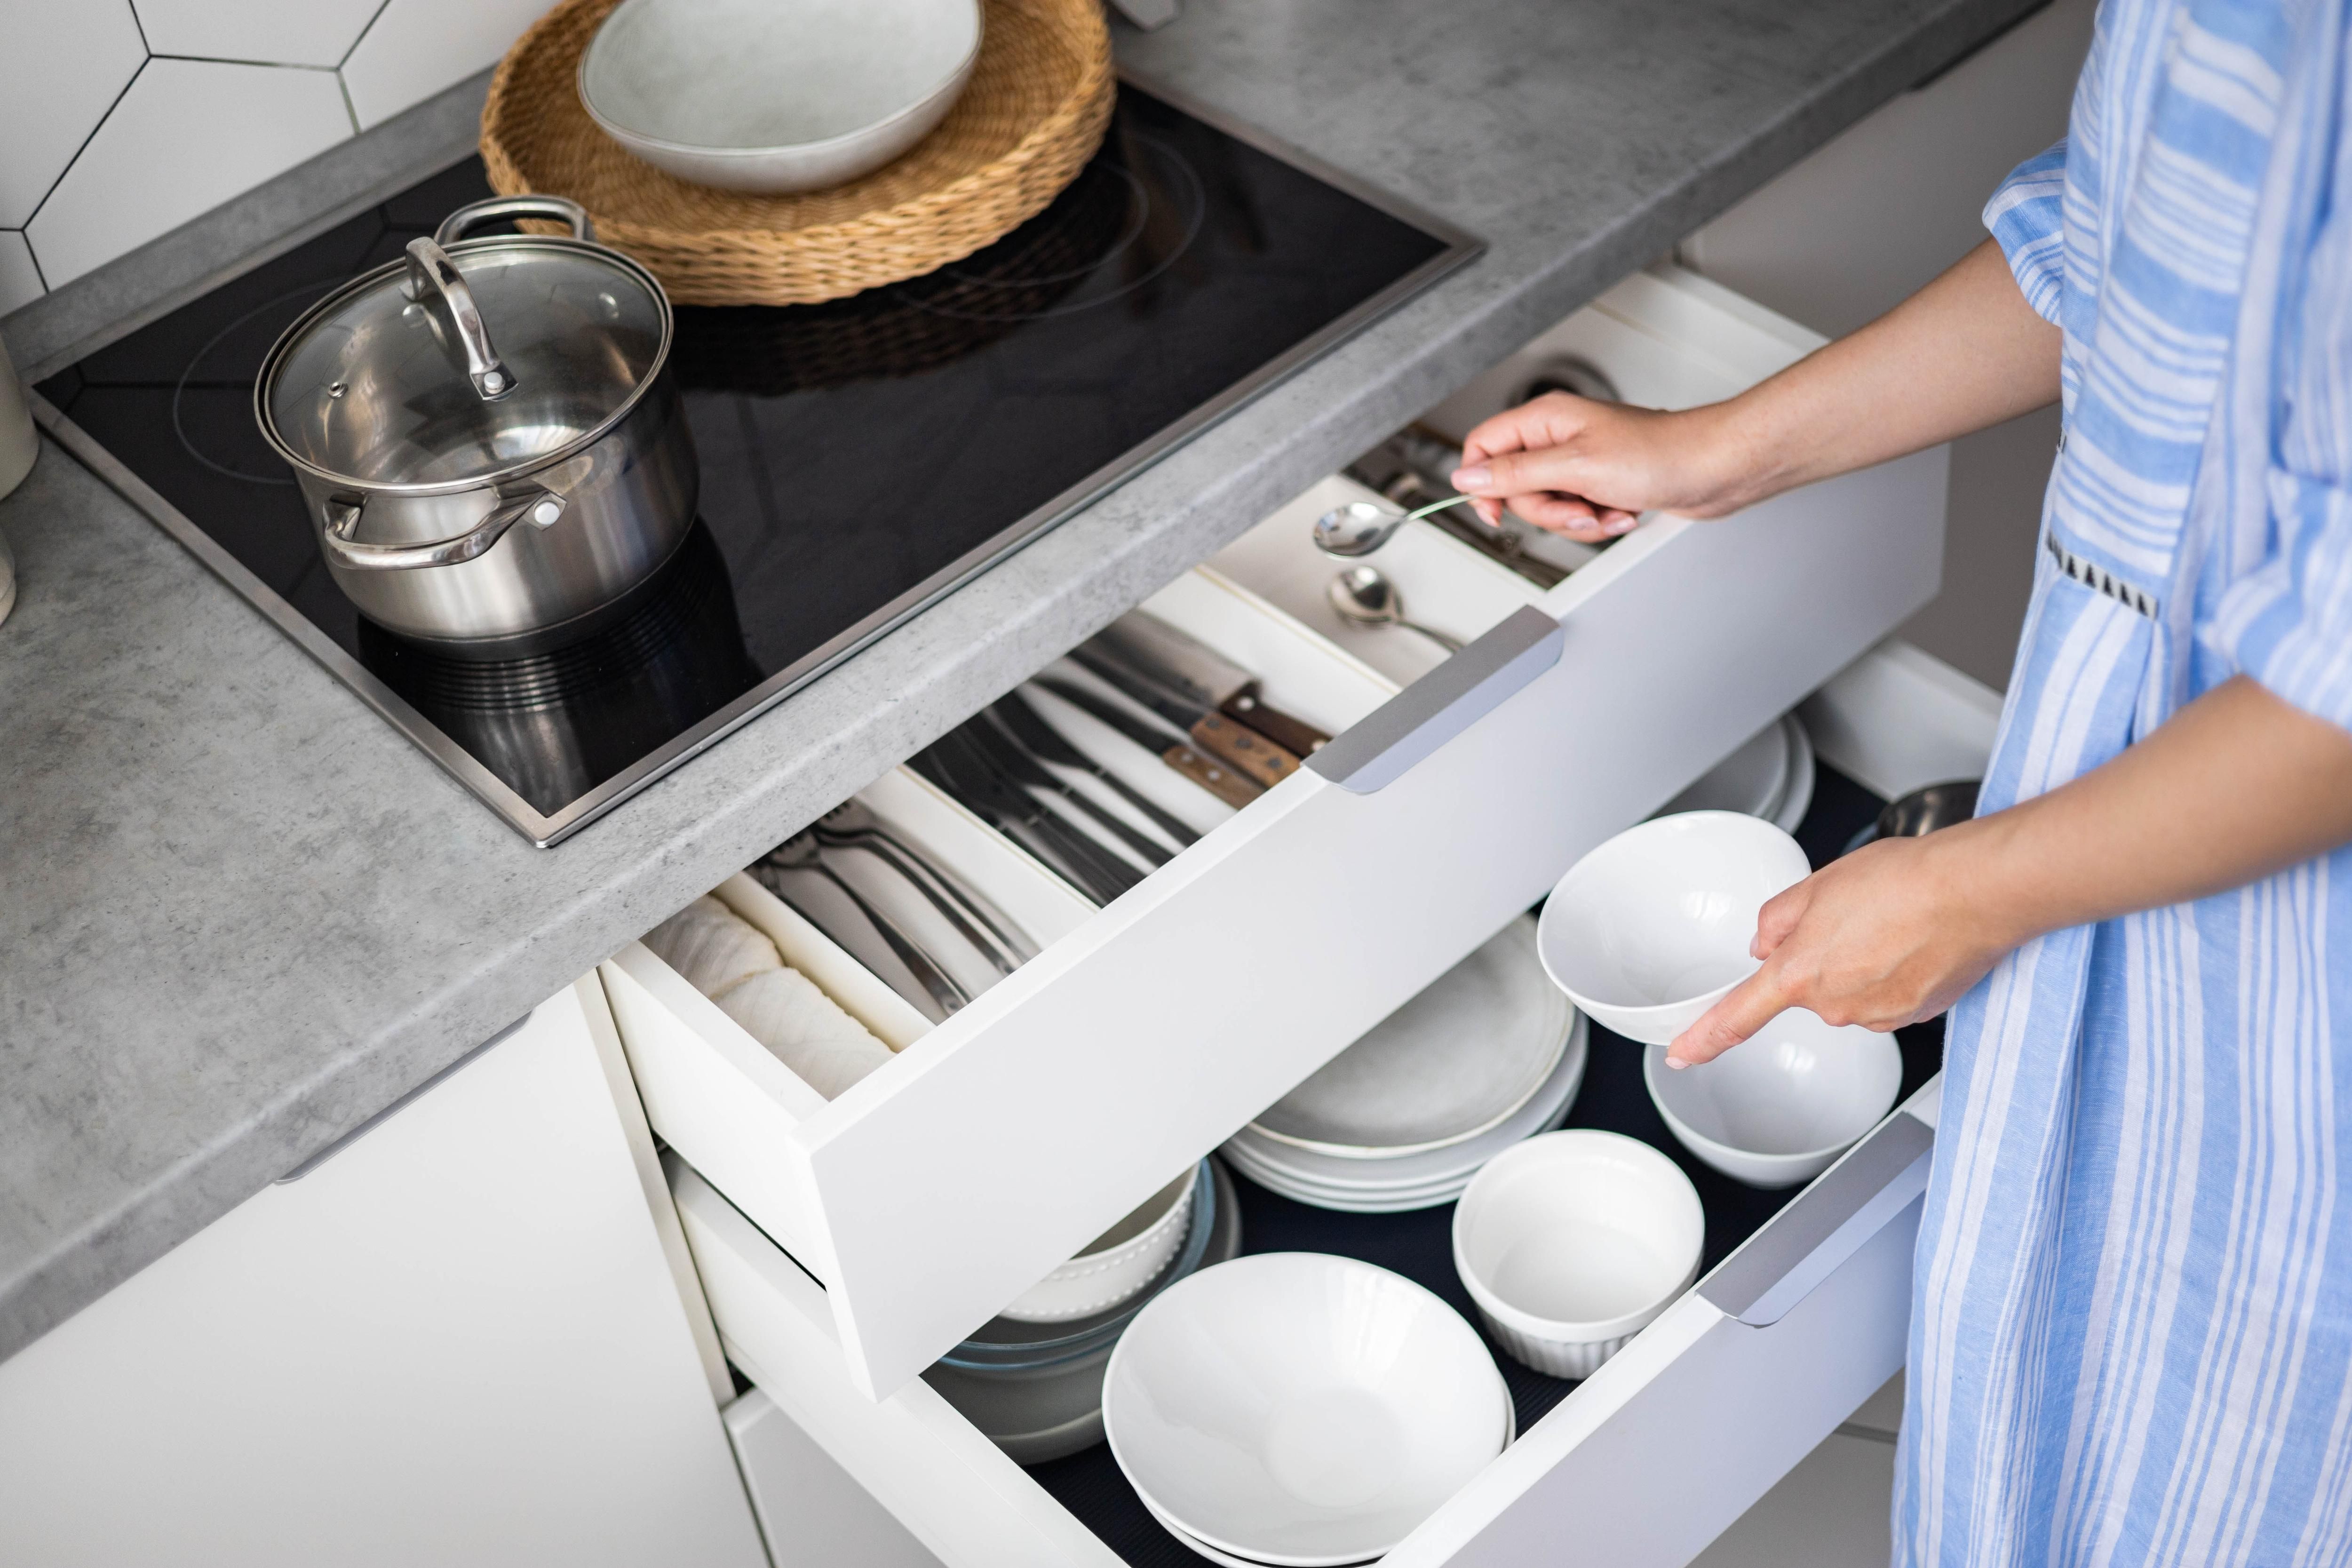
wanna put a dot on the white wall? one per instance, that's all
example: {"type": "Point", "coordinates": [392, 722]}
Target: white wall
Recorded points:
{"type": "Point", "coordinates": [1846, 234]}
{"type": "Point", "coordinates": [121, 120]}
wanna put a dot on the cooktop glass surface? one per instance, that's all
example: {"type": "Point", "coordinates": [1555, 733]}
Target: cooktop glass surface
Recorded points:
{"type": "Point", "coordinates": [859, 458]}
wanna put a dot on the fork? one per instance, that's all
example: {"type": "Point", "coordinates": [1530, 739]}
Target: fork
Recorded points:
{"type": "Point", "coordinates": [803, 852]}
{"type": "Point", "coordinates": [854, 826]}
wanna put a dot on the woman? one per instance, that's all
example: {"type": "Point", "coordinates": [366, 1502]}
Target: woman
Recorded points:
{"type": "Point", "coordinates": [2132, 1330]}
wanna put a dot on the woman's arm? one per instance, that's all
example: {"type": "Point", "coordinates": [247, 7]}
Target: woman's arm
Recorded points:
{"type": "Point", "coordinates": [2236, 786]}
{"type": "Point", "coordinates": [1964, 352]}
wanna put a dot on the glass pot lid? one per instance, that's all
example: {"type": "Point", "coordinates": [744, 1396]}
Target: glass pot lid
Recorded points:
{"type": "Point", "coordinates": [387, 384]}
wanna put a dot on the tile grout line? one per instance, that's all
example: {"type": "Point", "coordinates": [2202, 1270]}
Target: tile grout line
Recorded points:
{"type": "Point", "coordinates": [85, 140]}
{"type": "Point", "coordinates": [233, 61]}
{"type": "Point", "coordinates": [365, 29]}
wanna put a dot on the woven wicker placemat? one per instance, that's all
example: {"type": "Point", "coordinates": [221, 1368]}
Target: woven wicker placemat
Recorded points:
{"type": "Point", "coordinates": [1030, 118]}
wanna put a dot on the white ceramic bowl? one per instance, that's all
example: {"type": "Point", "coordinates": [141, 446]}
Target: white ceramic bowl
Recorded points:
{"type": "Point", "coordinates": [1779, 1107]}
{"type": "Point", "coordinates": [1648, 930]}
{"type": "Point", "coordinates": [1116, 1265]}
{"type": "Point", "coordinates": [1573, 1241]}
{"type": "Point", "coordinates": [777, 95]}
{"type": "Point", "coordinates": [1301, 1409]}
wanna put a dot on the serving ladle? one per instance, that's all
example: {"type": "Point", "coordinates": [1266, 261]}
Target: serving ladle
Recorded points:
{"type": "Point", "coordinates": [1363, 596]}
{"type": "Point", "coordinates": [1361, 527]}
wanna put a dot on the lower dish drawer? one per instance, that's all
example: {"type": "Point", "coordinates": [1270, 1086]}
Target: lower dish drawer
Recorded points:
{"type": "Point", "coordinates": [1735, 1384]}
{"type": "Point", "coordinates": [1147, 1032]}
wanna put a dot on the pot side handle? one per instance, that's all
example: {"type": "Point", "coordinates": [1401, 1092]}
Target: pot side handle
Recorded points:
{"type": "Point", "coordinates": [536, 504]}
{"type": "Point", "coordinates": [505, 209]}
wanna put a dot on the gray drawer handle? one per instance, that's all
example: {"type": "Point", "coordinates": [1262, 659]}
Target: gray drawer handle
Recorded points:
{"type": "Point", "coordinates": [1378, 749]}
{"type": "Point", "coordinates": [1807, 1242]}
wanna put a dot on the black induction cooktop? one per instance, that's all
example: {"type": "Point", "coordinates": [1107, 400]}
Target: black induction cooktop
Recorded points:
{"type": "Point", "coordinates": [859, 458]}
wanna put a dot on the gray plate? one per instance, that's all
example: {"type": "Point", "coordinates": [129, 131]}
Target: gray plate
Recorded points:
{"type": "Point", "coordinates": [1455, 1061]}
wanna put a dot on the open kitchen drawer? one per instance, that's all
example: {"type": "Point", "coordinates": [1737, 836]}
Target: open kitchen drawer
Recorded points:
{"type": "Point", "coordinates": [1639, 1467]}
{"type": "Point", "coordinates": [1146, 1033]}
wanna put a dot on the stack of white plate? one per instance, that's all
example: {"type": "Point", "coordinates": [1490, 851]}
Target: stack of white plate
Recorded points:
{"type": "Point", "coordinates": [1770, 776]}
{"type": "Point", "coordinates": [1490, 1054]}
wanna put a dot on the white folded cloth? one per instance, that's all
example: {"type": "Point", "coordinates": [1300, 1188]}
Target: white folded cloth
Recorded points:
{"type": "Point", "coordinates": [733, 961]}
{"type": "Point", "coordinates": [715, 948]}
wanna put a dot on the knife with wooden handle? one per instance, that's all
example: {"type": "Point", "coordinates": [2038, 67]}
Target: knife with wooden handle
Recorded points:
{"type": "Point", "coordinates": [1233, 788]}
{"type": "Point", "coordinates": [1181, 662]}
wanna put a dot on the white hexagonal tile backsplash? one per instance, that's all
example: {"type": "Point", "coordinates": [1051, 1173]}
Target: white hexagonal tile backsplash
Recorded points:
{"type": "Point", "coordinates": [65, 63]}
{"type": "Point", "coordinates": [121, 120]}
{"type": "Point", "coordinates": [265, 32]}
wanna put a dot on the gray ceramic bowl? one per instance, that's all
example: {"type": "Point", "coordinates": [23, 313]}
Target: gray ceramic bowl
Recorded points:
{"type": "Point", "coordinates": [774, 96]}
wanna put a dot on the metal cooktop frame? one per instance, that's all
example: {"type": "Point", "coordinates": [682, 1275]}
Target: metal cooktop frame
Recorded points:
{"type": "Point", "coordinates": [545, 830]}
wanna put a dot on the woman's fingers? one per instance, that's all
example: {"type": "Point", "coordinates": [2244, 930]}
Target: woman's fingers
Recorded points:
{"type": "Point", "coordinates": [1750, 1004]}
{"type": "Point", "coordinates": [1779, 916]}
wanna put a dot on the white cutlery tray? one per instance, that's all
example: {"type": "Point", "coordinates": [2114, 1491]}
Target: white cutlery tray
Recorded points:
{"type": "Point", "coordinates": [1146, 1033]}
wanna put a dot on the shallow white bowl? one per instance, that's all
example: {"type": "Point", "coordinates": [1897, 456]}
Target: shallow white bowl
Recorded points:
{"type": "Point", "coordinates": [1648, 930]}
{"type": "Point", "coordinates": [1116, 1265]}
{"type": "Point", "coordinates": [1778, 1109]}
{"type": "Point", "coordinates": [1573, 1241]}
{"type": "Point", "coordinates": [777, 95]}
{"type": "Point", "coordinates": [1301, 1409]}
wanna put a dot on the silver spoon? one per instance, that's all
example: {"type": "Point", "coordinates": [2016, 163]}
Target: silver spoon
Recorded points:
{"type": "Point", "coordinates": [1364, 596]}
{"type": "Point", "coordinates": [1361, 527]}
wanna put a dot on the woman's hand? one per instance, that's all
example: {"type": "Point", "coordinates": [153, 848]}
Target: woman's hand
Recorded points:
{"type": "Point", "coordinates": [1964, 352]}
{"type": "Point", "coordinates": [2234, 787]}
{"type": "Point", "coordinates": [1588, 470]}
{"type": "Point", "coordinates": [1891, 934]}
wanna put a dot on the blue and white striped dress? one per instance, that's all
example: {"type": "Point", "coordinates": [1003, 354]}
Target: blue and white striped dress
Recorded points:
{"type": "Point", "coordinates": [2132, 1336]}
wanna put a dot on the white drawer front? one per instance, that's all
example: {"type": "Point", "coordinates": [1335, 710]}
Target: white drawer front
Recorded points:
{"type": "Point", "coordinates": [1735, 1384]}
{"type": "Point", "coordinates": [998, 1143]}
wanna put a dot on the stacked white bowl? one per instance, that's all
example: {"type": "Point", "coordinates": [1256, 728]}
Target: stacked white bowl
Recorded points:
{"type": "Point", "coordinates": [1035, 1387]}
{"type": "Point", "coordinates": [1778, 1108]}
{"type": "Point", "coordinates": [1300, 1410]}
{"type": "Point", "coordinates": [1489, 1053]}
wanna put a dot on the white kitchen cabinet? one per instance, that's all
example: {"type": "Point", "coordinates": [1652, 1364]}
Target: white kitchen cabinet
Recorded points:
{"type": "Point", "coordinates": [997, 1144]}
{"type": "Point", "coordinates": [456, 1340]}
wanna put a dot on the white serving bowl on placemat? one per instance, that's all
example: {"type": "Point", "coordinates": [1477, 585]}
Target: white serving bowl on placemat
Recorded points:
{"type": "Point", "coordinates": [1572, 1242]}
{"type": "Point", "coordinates": [775, 96]}
{"type": "Point", "coordinates": [1302, 1410]}
{"type": "Point", "coordinates": [1651, 929]}
{"type": "Point", "coordinates": [1779, 1107]}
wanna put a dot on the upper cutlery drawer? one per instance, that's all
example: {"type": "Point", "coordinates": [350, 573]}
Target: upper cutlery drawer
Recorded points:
{"type": "Point", "coordinates": [1221, 973]}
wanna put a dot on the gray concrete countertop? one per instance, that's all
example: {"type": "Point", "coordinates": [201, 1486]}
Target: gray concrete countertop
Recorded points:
{"type": "Point", "coordinates": [239, 914]}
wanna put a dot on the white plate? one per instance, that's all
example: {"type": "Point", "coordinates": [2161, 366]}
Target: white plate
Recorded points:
{"type": "Point", "coordinates": [1752, 781]}
{"type": "Point", "coordinates": [1415, 1181]}
{"type": "Point", "coordinates": [1456, 1061]}
{"type": "Point", "coordinates": [1301, 1409]}
{"type": "Point", "coordinates": [1798, 798]}
{"type": "Point", "coordinates": [1454, 1163]}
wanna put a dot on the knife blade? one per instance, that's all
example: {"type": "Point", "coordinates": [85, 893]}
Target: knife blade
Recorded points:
{"type": "Point", "coordinates": [1236, 745]}
{"type": "Point", "coordinates": [1170, 747]}
{"type": "Point", "coordinates": [1182, 662]}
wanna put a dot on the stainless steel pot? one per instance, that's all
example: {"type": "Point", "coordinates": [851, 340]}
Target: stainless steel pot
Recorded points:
{"type": "Point", "coordinates": [486, 432]}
